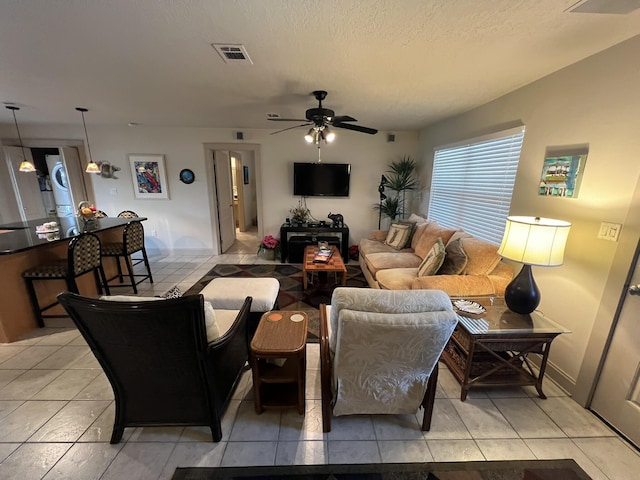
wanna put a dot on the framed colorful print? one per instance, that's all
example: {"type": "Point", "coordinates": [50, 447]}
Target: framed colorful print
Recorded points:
{"type": "Point", "coordinates": [561, 175]}
{"type": "Point", "coordinates": [149, 176]}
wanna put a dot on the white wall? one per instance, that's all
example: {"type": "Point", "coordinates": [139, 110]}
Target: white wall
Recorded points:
{"type": "Point", "coordinates": [594, 103]}
{"type": "Point", "coordinates": [183, 223]}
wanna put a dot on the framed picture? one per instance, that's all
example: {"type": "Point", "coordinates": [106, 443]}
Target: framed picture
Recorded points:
{"type": "Point", "coordinates": [149, 176]}
{"type": "Point", "coordinates": [561, 175]}
{"type": "Point", "coordinates": [245, 171]}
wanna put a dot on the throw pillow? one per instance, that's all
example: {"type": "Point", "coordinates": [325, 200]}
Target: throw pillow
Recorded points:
{"type": "Point", "coordinates": [173, 293]}
{"type": "Point", "coordinates": [433, 261]}
{"type": "Point", "coordinates": [455, 259]}
{"type": "Point", "coordinates": [398, 236]}
{"type": "Point", "coordinates": [431, 233]}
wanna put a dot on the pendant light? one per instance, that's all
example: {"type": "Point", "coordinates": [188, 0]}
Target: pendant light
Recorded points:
{"type": "Point", "coordinates": [92, 167]}
{"type": "Point", "coordinates": [25, 165]}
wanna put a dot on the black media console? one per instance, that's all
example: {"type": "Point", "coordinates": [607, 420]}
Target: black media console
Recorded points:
{"type": "Point", "coordinates": [312, 232]}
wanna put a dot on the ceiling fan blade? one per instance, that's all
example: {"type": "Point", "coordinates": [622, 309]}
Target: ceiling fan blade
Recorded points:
{"type": "Point", "coordinates": [342, 118]}
{"type": "Point", "coordinates": [287, 119]}
{"type": "Point", "coordinates": [289, 128]}
{"type": "Point", "coordinates": [357, 128]}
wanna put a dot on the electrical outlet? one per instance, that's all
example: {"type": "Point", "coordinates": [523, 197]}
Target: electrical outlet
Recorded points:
{"type": "Point", "coordinates": [609, 231]}
{"type": "Point", "coordinates": [154, 233]}
{"type": "Point", "coordinates": [113, 192]}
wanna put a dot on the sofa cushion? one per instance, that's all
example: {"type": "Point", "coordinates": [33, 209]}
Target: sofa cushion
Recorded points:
{"type": "Point", "coordinates": [396, 278]}
{"type": "Point", "coordinates": [482, 256]}
{"type": "Point", "coordinates": [382, 261]}
{"type": "Point", "coordinates": [417, 233]}
{"type": "Point", "coordinates": [455, 259]}
{"type": "Point", "coordinates": [417, 219]}
{"type": "Point", "coordinates": [367, 247]}
{"type": "Point", "coordinates": [429, 235]}
{"type": "Point", "coordinates": [399, 235]}
{"type": "Point", "coordinates": [433, 261]}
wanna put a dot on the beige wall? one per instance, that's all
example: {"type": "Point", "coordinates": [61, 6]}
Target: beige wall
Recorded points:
{"type": "Point", "coordinates": [593, 103]}
{"type": "Point", "coordinates": [183, 223]}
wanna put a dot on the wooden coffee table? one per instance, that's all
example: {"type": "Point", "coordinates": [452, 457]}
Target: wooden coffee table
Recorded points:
{"type": "Point", "coordinates": [335, 264]}
{"type": "Point", "coordinates": [278, 360]}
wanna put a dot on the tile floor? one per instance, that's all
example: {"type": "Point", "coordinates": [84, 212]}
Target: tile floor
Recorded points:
{"type": "Point", "coordinates": [56, 414]}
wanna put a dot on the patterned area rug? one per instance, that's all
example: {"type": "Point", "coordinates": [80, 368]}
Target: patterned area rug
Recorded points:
{"type": "Point", "coordinates": [291, 295]}
{"type": "Point", "coordinates": [501, 470]}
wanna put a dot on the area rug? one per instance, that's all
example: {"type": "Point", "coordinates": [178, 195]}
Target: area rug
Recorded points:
{"type": "Point", "coordinates": [291, 295]}
{"type": "Point", "coordinates": [500, 470]}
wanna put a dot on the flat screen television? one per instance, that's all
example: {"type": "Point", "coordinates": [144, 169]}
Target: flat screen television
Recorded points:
{"type": "Point", "coordinates": [321, 179]}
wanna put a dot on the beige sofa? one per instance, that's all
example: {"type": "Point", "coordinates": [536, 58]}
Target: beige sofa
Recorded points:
{"type": "Point", "coordinates": [386, 267]}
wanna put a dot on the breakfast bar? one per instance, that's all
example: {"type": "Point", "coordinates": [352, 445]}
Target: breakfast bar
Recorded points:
{"type": "Point", "coordinates": [21, 247]}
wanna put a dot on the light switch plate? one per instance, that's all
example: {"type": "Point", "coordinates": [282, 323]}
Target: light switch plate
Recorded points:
{"type": "Point", "coordinates": [609, 231]}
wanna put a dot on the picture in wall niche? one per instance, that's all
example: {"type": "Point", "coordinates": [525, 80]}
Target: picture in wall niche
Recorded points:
{"type": "Point", "coordinates": [561, 175]}
{"type": "Point", "coordinates": [149, 176]}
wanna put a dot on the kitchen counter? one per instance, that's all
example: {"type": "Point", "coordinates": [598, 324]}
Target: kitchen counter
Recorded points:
{"type": "Point", "coordinates": [21, 236]}
{"type": "Point", "coordinates": [22, 248]}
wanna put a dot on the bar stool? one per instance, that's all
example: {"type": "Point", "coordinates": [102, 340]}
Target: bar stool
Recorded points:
{"type": "Point", "coordinates": [83, 256]}
{"type": "Point", "coordinates": [128, 214]}
{"type": "Point", "coordinates": [132, 241]}
{"type": "Point", "coordinates": [100, 214]}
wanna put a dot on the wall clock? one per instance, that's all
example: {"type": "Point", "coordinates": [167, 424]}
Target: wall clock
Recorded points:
{"type": "Point", "coordinates": [187, 176]}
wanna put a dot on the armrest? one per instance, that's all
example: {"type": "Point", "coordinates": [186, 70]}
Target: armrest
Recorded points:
{"type": "Point", "coordinates": [227, 356]}
{"type": "Point", "coordinates": [325, 370]}
{"type": "Point", "coordinates": [456, 285]}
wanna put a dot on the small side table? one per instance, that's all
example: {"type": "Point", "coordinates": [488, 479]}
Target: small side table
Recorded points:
{"type": "Point", "coordinates": [492, 349]}
{"type": "Point", "coordinates": [278, 360]}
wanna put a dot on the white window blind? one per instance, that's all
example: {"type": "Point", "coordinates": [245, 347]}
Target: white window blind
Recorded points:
{"type": "Point", "coordinates": [472, 183]}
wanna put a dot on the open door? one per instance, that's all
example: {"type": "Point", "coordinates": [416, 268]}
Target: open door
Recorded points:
{"type": "Point", "coordinates": [617, 395]}
{"type": "Point", "coordinates": [75, 175]}
{"type": "Point", "coordinates": [224, 199]}
{"type": "Point", "coordinates": [25, 185]}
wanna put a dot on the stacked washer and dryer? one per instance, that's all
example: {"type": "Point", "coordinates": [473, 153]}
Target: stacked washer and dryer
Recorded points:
{"type": "Point", "coordinates": [60, 186]}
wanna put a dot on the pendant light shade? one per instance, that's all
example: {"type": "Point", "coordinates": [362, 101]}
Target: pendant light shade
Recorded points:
{"type": "Point", "coordinates": [92, 167]}
{"type": "Point", "coordinates": [25, 165]}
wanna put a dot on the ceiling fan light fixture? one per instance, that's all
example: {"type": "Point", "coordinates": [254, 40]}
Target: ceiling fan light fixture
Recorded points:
{"type": "Point", "coordinates": [310, 136]}
{"type": "Point", "coordinates": [329, 135]}
{"type": "Point", "coordinates": [25, 165]}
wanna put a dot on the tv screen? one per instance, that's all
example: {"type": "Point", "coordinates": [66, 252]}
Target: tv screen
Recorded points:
{"type": "Point", "coordinates": [321, 179]}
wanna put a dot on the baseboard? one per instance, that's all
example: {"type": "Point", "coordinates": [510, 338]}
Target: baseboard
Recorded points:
{"type": "Point", "coordinates": [180, 252]}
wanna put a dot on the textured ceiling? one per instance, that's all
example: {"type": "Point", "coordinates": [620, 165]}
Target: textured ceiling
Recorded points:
{"type": "Point", "coordinates": [392, 64]}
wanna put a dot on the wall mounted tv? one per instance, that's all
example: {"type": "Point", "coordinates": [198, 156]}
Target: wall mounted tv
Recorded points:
{"type": "Point", "coordinates": [321, 179]}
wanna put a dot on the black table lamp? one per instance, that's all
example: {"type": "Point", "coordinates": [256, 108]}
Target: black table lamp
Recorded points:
{"type": "Point", "coordinates": [531, 241]}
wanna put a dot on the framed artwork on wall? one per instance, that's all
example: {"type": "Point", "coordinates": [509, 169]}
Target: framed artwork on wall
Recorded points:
{"type": "Point", "coordinates": [561, 175]}
{"type": "Point", "coordinates": [149, 176]}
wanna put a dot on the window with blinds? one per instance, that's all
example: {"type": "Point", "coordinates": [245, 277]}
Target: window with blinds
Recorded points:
{"type": "Point", "coordinates": [472, 183]}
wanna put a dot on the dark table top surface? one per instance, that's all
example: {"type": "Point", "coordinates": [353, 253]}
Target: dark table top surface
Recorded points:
{"type": "Point", "coordinates": [22, 236]}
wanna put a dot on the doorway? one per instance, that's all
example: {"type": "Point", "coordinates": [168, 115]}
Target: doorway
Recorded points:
{"type": "Point", "coordinates": [234, 194]}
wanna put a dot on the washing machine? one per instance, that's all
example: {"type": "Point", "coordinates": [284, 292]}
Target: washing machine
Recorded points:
{"type": "Point", "coordinates": [60, 186]}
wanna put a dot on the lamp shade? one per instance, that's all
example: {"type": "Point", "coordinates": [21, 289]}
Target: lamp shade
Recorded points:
{"type": "Point", "coordinates": [535, 240]}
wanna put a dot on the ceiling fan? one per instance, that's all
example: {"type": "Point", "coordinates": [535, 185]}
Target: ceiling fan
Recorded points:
{"type": "Point", "coordinates": [321, 119]}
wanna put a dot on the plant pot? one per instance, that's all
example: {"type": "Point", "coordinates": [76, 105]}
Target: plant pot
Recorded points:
{"type": "Point", "coordinates": [267, 254]}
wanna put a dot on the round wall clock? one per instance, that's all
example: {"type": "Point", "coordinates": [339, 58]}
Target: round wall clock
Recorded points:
{"type": "Point", "coordinates": [187, 176]}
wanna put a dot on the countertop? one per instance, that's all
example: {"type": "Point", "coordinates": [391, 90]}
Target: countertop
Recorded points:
{"type": "Point", "coordinates": [21, 236]}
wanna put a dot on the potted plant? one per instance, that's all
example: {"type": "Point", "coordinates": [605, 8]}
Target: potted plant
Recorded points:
{"type": "Point", "coordinates": [300, 214]}
{"type": "Point", "coordinates": [402, 177]}
{"type": "Point", "coordinates": [268, 248]}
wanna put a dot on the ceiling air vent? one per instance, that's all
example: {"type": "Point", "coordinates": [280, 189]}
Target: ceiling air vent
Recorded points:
{"type": "Point", "coordinates": [232, 53]}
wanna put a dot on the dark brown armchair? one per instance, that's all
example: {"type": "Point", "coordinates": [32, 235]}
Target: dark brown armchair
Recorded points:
{"type": "Point", "coordinates": [157, 359]}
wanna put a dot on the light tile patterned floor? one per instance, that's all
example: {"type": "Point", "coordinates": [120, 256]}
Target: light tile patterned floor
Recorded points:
{"type": "Point", "coordinates": [56, 414]}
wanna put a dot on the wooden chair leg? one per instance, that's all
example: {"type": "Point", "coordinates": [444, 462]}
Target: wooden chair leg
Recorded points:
{"type": "Point", "coordinates": [325, 371]}
{"type": "Point", "coordinates": [429, 399]}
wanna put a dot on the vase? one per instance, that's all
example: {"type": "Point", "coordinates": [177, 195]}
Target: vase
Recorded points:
{"type": "Point", "coordinates": [267, 254]}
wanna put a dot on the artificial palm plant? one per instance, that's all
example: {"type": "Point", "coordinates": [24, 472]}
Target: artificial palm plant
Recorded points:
{"type": "Point", "coordinates": [400, 179]}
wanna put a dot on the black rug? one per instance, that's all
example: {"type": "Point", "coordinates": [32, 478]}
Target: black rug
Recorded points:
{"type": "Point", "coordinates": [291, 295]}
{"type": "Point", "coordinates": [503, 470]}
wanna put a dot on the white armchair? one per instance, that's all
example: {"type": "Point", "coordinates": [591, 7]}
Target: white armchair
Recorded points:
{"type": "Point", "coordinates": [379, 351]}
